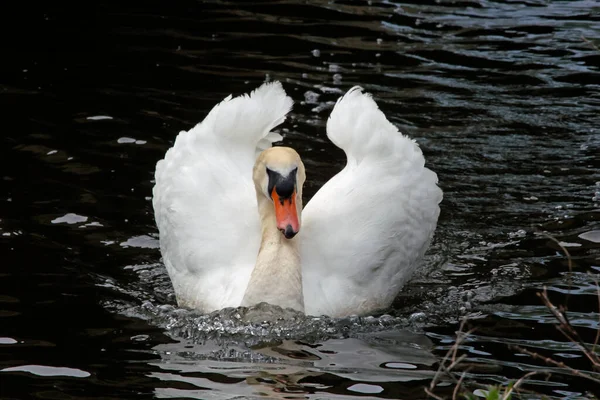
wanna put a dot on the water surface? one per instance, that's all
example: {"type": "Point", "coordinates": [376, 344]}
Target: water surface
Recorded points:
{"type": "Point", "coordinates": [502, 96]}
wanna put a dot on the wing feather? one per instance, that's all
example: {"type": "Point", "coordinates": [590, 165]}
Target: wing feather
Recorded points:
{"type": "Point", "coordinates": [366, 230]}
{"type": "Point", "coordinates": [204, 199]}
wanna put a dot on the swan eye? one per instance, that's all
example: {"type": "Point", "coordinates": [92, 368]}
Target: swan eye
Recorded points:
{"type": "Point", "coordinates": [284, 185]}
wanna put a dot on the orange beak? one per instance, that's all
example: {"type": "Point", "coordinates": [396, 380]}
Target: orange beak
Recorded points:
{"type": "Point", "coordinates": [286, 214]}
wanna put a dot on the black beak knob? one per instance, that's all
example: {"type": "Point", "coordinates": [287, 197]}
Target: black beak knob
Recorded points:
{"type": "Point", "coordinates": [288, 232]}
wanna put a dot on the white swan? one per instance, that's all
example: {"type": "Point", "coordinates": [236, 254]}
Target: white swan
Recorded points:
{"type": "Point", "coordinates": [359, 238]}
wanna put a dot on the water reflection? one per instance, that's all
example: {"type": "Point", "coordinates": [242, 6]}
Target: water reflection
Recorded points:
{"type": "Point", "coordinates": [293, 369]}
{"type": "Point", "coordinates": [44, 370]}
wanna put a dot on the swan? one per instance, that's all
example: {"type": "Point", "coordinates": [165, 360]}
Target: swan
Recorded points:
{"type": "Point", "coordinates": [233, 231]}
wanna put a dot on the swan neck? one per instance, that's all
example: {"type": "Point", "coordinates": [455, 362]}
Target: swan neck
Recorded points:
{"type": "Point", "coordinates": [277, 276]}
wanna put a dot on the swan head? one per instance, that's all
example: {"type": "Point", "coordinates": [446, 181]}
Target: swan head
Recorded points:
{"type": "Point", "coordinates": [278, 177]}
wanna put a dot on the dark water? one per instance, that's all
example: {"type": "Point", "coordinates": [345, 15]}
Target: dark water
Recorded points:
{"type": "Point", "coordinates": [503, 96]}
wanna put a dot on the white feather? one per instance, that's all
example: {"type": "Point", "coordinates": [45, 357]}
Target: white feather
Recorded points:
{"type": "Point", "coordinates": [205, 203]}
{"type": "Point", "coordinates": [366, 230]}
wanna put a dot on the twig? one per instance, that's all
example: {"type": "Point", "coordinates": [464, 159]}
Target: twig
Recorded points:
{"type": "Point", "coordinates": [455, 363]}
{"type": "Point", "coordinates": [452, 356]}
{"type": "Point", "coordinates": [560, 313]}
{"type": "Point", "coordinates": [569, 264]}
{"type": "Point", "coordinates": [597, 330]}
{"type": "Point", "coordinates": [458, 385]}
{"type": "Point", "coordinates": [506, 395]}
{"type": "Point", "coordinates": [430, 393]}
{"type": "Point", "coordinates": [555, 363]}
{"type": "Point", "coordinates": [567, 329]}
{"type": "Point", "coordinates": [590, 43]}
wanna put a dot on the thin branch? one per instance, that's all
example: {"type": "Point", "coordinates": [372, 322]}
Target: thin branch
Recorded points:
{"type": "Point", "coordinates": [447, 371]}
{"type": "Point", "coordinates": [456, 362]}
{"type": "Point", "coordinates": [430, 393]}
{"type": "Point", "coordinates": [569, 264]}
{"type": "Point", "coordinates": [459, 337]}
{"type": "Point", "coordinates": [555, 363]}
{"type": "Point", "coordinates": [597, 330]}
{"type": "Point", "coordinates": [452, 356]}
{"type": "Point", "coordinates": [458, 385]}
{"type": "Point", "coordinates": [520, 381]}
{"type": "Point", "coordinates": [590, 43]}
{"type": "Point", "coordinates": [567, 329]}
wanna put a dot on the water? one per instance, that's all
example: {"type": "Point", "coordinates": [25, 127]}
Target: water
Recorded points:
{"type": "Point", "coordinates": [502, 96]}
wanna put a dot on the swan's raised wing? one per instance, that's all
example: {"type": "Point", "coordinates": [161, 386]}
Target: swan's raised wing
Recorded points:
{"type": "Point", "coordinates": [366, 230]}
{"type": "Point", "coordinates": [205, 202]}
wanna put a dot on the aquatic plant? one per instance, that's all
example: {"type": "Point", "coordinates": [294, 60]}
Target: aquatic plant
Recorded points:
{"type": "Point", "coordinates": [452, 363]}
